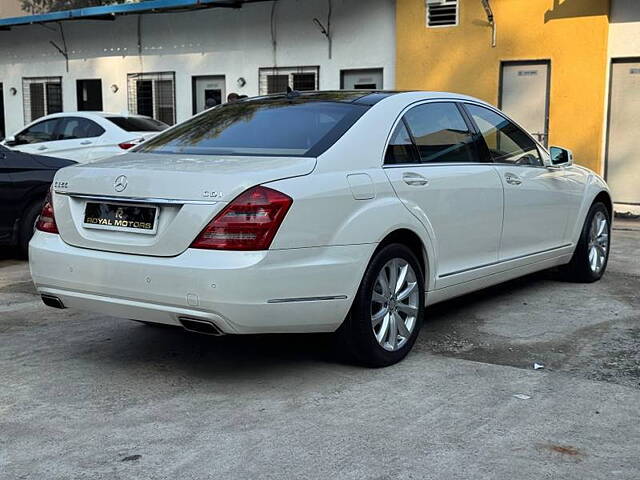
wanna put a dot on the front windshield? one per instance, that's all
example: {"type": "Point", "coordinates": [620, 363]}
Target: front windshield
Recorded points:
{"type": "Point", "coordinates": [267, 126]}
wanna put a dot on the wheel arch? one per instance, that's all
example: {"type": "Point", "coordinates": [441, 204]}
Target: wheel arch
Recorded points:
{"type": "Point", "coordinates": [415, 243]}
{"type": "Point", "coordinates": [604, 197]}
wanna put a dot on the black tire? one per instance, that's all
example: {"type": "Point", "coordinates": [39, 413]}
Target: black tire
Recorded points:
{"type": "Point", "coordinates": [27, 226]}
{"type": "Point", "coordinates": [356, 337]}
{"type": "Point", "coordinates": [579, 269]}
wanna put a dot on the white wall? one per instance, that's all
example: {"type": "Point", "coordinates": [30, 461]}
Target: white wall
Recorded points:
{"type": "Point", "coordinates": [624, 29]}
{"type": "Point", "coordinates": [230, 42]}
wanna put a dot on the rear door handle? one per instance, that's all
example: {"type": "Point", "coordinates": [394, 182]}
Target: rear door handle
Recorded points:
{"type": "Point", "coordinates": [414, 179]}
{"type": "Point", "coordinates": [86, 142]}
{"type": "Point", "coordinates": [512, 179]}
{"type": "Point", "coordinates": [42, 147]}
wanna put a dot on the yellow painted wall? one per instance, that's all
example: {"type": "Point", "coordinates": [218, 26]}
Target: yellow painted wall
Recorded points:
{"type": "Point", "coordinates": [571, 33]}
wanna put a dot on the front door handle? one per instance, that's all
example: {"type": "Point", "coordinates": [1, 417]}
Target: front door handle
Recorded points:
{"type": "Point", "coordinates": [512, 179]}
{"type": "Point", "coordinates": [42, 147]}
{"type": "Point", "coordinates": [414, 179]}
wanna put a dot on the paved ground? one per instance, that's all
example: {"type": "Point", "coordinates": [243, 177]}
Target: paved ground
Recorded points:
{"type": "Point", "coordinates": [86, 396]}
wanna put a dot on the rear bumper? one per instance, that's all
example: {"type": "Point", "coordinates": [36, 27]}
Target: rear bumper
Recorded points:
{"type": "Point", "coordinates": [276, 291]}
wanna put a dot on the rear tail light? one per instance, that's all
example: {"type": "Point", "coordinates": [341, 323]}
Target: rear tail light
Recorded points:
{"type": "Point", "coordinates": [248, 223]}
{"type": "Point", "coordinates": [47, 220]}
{"type": "Point", "coordinates": [130, 143]}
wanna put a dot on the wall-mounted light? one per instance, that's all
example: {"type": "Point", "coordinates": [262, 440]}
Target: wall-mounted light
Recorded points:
{"type": "Point", "coordinates": [241, 82]}
{"type": "Point", "coordinates": [114, 88]}
{"type": "Point", "coordinates": [13, 91]}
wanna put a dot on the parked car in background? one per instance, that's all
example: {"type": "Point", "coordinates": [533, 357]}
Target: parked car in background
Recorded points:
{"type": "Point", "coordinates": [319, 212]}
{"type": "Point", "coordinates": [24, 183]}
{"type": "Point", "coordinates": [84, 136]}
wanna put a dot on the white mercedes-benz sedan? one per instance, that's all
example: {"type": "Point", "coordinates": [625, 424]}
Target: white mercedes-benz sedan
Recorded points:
{"type": "Point", "coordinates": [345, 212]}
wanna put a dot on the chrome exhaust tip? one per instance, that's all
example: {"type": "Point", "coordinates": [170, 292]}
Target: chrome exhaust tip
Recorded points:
{"type": "Point", "coordinates": [52, 301]}
{"type": "Point", "coordinates": [204, 327]}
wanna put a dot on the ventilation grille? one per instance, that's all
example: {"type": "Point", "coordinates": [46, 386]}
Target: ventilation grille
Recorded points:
{"type": "Point", "coordinates": [276, 79]}
{"type": "Point", "coordinates": [153, 95]}
{"type": "Point", "coordinates": [442, 13]}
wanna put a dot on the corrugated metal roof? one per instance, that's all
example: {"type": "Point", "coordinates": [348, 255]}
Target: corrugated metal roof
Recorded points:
{"type": "Point", "coordinates": [111, 11]}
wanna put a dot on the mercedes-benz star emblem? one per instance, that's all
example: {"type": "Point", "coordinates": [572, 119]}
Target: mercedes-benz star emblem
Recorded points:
{"type": "Point", "coordinates": [120, 184]}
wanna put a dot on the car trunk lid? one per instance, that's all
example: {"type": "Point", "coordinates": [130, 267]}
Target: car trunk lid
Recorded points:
{"type": "Point", "coordinates": [187, 191]}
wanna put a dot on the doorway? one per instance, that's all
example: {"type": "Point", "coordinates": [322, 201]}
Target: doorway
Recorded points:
{"type": "Point", "coordinates": [524, 95]}
{"type": "Point", "coordinates": [622, 166]}
{"type": "Point", "coordinates": [208, 91]}
{"type": "Point", "coordinates": [362, 79]}
{"type": "Point", "coordinates": [89, 94]}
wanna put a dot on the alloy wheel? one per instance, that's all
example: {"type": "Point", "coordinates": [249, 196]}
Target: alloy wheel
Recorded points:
{"type": "Point", "coordinates": [395, 304]}
{"type": "Point", "coordinates": [598, 242]}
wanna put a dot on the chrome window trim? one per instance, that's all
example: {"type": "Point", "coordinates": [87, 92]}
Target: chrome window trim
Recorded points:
{"type": "Point", "coordinates": [156, 201]}
{"type": "Point", "coordinates": [444, 164]}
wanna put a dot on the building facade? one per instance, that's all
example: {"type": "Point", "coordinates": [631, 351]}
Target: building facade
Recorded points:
{"type": "Point", "coordinates": [169, 65]}
{"type": "Point", "coordinates": [567, 70]}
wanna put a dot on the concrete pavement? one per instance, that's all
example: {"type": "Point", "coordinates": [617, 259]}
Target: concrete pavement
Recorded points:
{"type": "Point", "coordinates": [88, 396]}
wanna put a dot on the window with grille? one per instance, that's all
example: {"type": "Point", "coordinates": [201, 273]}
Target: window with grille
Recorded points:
{"type": "Point", "coordinates": [277, 79]}
{"type": "Point", "coordinates": [152, 95]}
{"type": "Point", "coordinates": [442, 13]}
{"type": "Point", "coordinates": [41, 96]}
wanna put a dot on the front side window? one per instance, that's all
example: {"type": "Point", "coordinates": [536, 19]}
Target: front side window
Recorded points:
{"type": "Point", "coordinates": [282, 127]}
{"type": "Point", "coordinates": [506, 142]}
{"type": "Point", "coordinates": [440, 133]}
{"type": "Point", "coordinates": [38, 133]}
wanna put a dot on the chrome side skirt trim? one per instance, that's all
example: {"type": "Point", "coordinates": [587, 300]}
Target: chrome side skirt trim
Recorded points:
{"type": "Point", "coordinates": [114, 198]}
{"type": "Point", "coordinates": [307, 299]}
{"type": "Point", "coordinates": [504, 261]}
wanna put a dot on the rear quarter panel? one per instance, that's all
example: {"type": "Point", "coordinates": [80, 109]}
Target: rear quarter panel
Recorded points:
{"type": "Point", "coordinates": [325, 211]}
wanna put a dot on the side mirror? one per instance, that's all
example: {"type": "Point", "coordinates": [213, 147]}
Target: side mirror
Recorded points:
{"type": "Point", "coordinates": [10, 141]}
{"type": "Point", "coordinates": [561, 156]}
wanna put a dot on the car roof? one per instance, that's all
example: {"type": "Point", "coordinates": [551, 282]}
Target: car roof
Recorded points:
{"type": "Point", "coordinates": [363, 97]}
{"type": "Point", "coordinates": [89, 114]}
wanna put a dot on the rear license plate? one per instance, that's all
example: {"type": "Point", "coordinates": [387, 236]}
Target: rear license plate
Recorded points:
{"type": "Point", "coordinates": [120, 217]}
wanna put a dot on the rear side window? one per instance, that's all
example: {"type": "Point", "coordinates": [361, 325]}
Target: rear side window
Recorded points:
{"type": "Point", "coordinates": [506, 142]}
{"type": "Point", "coordinates": [76, 127]}
{"type": "Point", "coordinates": [281, 127]}
{"type": "Point", "coordinates": [400, 149]}
{"type": "Point", "coordinates": [440, 133]}
{"type": "Point", "coordinates": [138, 124]}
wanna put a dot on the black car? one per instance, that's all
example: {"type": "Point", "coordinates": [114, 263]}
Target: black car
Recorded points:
{"type": "Point", "coordinates": [24, 182]}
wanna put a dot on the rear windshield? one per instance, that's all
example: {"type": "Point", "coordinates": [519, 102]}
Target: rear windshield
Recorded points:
{"type": "Point", "coordinates": [138, 124]}
{"type": "Point", "coordinates": [281, 127]}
